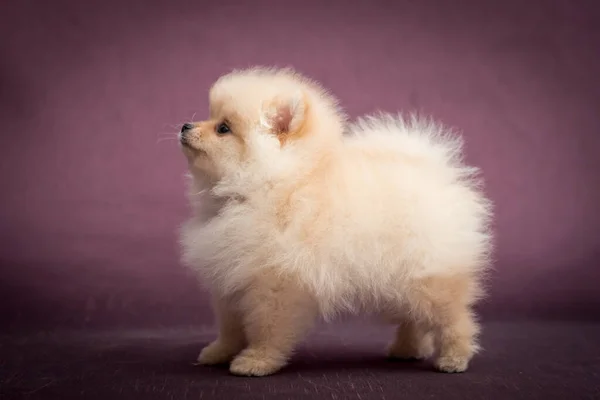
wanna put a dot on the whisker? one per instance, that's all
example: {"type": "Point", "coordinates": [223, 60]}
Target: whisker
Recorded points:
{"type": "Point", "coordinates": [163, 139]}
{"type": "Point", "coordinates": [171, 126]}
{"type": "Point", "coordinates": [168, 134]}
{"type": "Point", "coordinates": [176, 127]}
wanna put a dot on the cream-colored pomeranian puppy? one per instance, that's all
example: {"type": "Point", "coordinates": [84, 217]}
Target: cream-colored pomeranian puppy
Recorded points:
{"type": "Point", "coordinates": [298, 215]}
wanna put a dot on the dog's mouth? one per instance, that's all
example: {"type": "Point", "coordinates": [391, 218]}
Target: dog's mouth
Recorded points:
{"type": "Point", "coordinates": [186, 145]}
{"type": "Point", "coordinates": [184, 141]}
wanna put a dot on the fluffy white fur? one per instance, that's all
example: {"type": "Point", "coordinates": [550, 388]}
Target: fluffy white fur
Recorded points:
{"type": "Point", "coordinates": [300, 214]}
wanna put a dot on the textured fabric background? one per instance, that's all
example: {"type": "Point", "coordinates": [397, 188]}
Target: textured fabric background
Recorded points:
{"type": "Point", "coordinates": [91, 195]}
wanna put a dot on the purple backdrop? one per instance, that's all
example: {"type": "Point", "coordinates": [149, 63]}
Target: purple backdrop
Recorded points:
{"type": "Point", "coordinates": [92, 196]}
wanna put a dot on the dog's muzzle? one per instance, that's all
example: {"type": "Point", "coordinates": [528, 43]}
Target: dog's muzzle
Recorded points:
{"type": "Point", "coordinates": [183, 134]}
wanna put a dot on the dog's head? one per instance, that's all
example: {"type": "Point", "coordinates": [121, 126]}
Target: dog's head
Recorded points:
{"type": "Point", "coordinates": [259, 121]}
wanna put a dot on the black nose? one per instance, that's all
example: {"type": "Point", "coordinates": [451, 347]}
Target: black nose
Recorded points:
{"type": "Point", "coordinates": [186, 127]}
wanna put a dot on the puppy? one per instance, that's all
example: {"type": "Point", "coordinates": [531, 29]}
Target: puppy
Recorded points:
{"type": "Point", "coordinates": [299, 215]}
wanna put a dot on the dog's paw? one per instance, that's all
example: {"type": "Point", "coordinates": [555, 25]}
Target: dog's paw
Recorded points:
{"type": "Point", "coordinates": [255, 363]}
{"type": "Point", "coordinates": [217, 353]}
{"type": "Point", "coordinates": [452, 364]}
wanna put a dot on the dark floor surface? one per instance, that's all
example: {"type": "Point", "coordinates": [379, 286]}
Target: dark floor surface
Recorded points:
{"type": "Point", "coordinates": [549, 360]}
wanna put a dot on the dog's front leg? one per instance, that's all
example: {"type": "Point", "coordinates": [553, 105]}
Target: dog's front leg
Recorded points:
{"type": "Point", "coordinates": [277, 314]}
{"type": "Point", "coordinates": [231, 339]}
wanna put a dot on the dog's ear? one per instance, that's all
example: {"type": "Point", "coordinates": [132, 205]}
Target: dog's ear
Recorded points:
{"type": "Point", "coordinates": [285, 115]}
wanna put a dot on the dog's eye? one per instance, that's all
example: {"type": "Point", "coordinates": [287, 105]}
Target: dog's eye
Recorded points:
{"type": "Point", "coordinates": [222, 128]}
